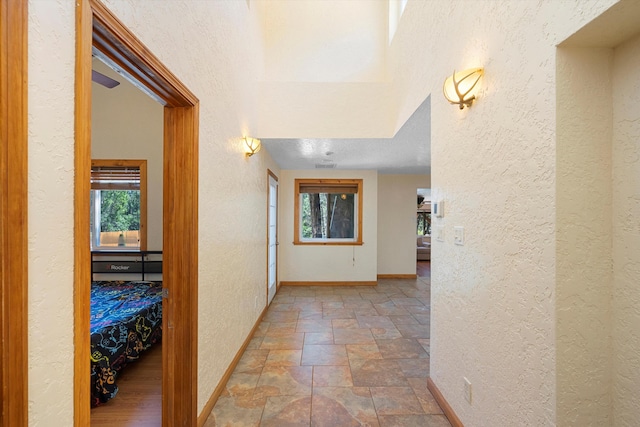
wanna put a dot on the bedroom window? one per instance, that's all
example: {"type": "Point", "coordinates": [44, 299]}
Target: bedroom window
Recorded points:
{"type": "Point", "coordinates": [118, 205]}
{"type": "Point", "coordinates": [328, 212]}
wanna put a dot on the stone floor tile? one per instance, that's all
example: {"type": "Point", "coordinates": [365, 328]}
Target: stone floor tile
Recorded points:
{"type": "Point", "coordinates": [318, 338]}
{"type": "Point", "coordinates": [345, 323]}
{"type": "Point", "coordinates": [375, 322]}
{"type": "Point", "coordinates": [401, 348]}
{"type": "Point", "coordinates": [283, 358]}
{"type": "Point", "coordinates": [414, 368]}
{"type": "Point", "coordinates": [324, 354]}
{"type": "Point", "coordinates": [233, 411]}
{"type": "Point", "coordinates": [343, 407]}
{"type": "Point", "coordinates": [292, 341]}
{"type": "Point", "coordinates": [363, 351]}
{"type": "Point", "coordinates": [332, 376]}
{"type": "Point", "coordinates": [395, 401]}
{"type": "Point", "coordinates": [287, 411]}
{"type": "Point", "coordinates": [353, 336]}
{"type": "Point", "coordinates": [284, 381]}
{"type": "Point", "coordinates": [403, 320]}
{"type": "Point", "coordinates": [414, 331]}
{"type": "Point", "coordinates": [313, 325]}
{"type": "Point", "coordinates": [338, 313]}
{"type": "Point", "coordinates": [376, 373]}
{"type": "Point", "coordinates": [252, 359]}
{"type": "Point", "coordinates": [426, 399]}
{"type": "Point", "coordinates": [386, 333]}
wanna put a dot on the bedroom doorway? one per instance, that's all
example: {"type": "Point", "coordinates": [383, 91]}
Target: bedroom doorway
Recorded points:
{"type": "Point", "coordinates": [100, 33]}
{"type": "Point", "coordinates": [272, 237]}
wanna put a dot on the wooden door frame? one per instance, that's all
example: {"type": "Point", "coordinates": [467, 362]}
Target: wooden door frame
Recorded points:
{"type": "Point", "coordinates": [13, 215]}
{"type": "Point", "coordinates": [275, 177]}
{"type": "Point", "coordinates": [98, 29]}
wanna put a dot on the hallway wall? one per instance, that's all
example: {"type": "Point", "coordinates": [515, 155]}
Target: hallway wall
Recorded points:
{"type": "Point", "coordinates": [318, 263]}
{"type": "Point", "coordinates": [397, 222]}
{"type": "Point", "coordinates": [494, 166]}
{"type": "Point", "coordinates": [626, 233]}
{"type": "Point", "coordinates": [211, 60]}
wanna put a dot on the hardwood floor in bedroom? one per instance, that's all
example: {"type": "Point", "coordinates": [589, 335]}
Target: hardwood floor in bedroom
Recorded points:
{"type": "Point", "coordinates": [139, 399]}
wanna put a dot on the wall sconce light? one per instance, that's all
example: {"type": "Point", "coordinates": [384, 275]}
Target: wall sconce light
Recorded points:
{"type": "Point", "coordinates": [252, 146]}
{"type": "Point", "coordinates": [459, 87]}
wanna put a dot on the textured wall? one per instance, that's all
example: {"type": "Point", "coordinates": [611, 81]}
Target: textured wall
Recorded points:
{"type": "Point", "coordinates": [51, 69]}
{"type": "Point", "coordinates": [209, 48]}
{"type": "Point", "coordinates": [626, 233]}
{"type": "Point", "coordinates": [397, 222]}
{"type": "Point", "coordinates": [324, 41]}
{"type": "Point", "coordinates": [128, 124]}
{"type": "Point", "coordinates": [494, 166]}
{"type": "Point", "coordinates": [328, 263]}
{"type": "Point", "coordinates": [583, 245]}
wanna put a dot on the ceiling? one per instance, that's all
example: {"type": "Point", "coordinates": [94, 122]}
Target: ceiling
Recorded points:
{"type": "Point", "coordinates": [408, 152]}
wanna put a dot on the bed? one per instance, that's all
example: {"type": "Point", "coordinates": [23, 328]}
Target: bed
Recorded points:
{"type": "Point", "coordinates": [126, 319]}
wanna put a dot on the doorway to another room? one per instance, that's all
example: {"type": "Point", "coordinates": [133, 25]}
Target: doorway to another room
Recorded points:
{"type": "Point", "coordinates": [272, 237]}
{"type": "Point", "coordinates": [423, 233]}
{"type": "Point", "coordinates": [100, 33]}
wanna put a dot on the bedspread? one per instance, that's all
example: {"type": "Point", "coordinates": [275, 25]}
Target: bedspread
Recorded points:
{"type": "Point", "coordinates": [126, 319]}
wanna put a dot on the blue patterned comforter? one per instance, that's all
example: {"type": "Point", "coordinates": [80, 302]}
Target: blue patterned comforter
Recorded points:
{"type": "Point", "coordinates": [126, 319]}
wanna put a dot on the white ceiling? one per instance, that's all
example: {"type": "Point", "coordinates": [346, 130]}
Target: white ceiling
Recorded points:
{"type": "Point", "coordinates": [408, 152]}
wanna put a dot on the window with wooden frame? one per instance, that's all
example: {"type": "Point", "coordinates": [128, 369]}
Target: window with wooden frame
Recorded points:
{"type": "Point", "coordinates": [328, 212]}
{"type": "Point", "coordinates": [118, 205]}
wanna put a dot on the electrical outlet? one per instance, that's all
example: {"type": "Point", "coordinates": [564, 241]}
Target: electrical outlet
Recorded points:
{"type": "Point", "coordinates": [467, 389]}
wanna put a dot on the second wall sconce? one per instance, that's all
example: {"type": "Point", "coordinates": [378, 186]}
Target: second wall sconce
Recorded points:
{"type": "Point", "coordinates": [252, 146]}
{"type": "Point", "coordinates": [460, 88]}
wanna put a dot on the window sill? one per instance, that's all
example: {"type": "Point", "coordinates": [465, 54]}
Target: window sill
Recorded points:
{"type": "Point", "coordinates": [327, 243]}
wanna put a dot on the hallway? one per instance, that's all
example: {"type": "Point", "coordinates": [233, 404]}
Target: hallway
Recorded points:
{"type": "Point", "coordinates": [337, 356]}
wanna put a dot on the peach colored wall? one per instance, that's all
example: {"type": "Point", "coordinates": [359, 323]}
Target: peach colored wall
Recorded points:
{"type": "Point", "coordinates": [328, 263]}
{"type": "Point", "coordinates": [397, 222]}
{"type": "Point", "coordinates": [128, 124]}
{"type": "Point", "coordinates": [626, 233]}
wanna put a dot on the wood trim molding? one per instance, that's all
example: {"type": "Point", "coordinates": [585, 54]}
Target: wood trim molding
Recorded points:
{"type": "Point", "coordinates": [98, 28]}
{"type": "Point", "coordinates": [446, 408]}
{"type": "Point", "coordinates": [13, 216]}
{"type": "Point", "coordinates": [358, 283]}
{"type": "Point", "coordinates": [82, 200]}
{"type": "Point", "coordinates": [180, 253]}
{"type": "Point", "coordinates": [116, 44]}
{"type": "Point", "coordinates": [208, 407]}
{"type": "Point", "coordinates": [397, 276]}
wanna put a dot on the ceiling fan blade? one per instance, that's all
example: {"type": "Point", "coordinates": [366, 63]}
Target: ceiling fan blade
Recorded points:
{"type": "Point", "coordinates": [103, 80]}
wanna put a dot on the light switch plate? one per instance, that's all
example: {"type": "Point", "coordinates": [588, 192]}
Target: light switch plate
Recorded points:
{"type": "Point", "coordinates": [439, 230]}
{"type": "Point", "coordinates": [458, 235]}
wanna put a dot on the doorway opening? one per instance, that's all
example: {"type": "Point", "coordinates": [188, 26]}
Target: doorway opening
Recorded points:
{"type": "Point", "coordinates": [100, 33]}
{"type": "Point", "coordinates": [423, 232]}
{"type": "Point", "coordinates": [272, 237]}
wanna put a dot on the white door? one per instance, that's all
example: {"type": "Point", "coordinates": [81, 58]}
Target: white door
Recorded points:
{"type": "Point", "coordinates": [272, 240]}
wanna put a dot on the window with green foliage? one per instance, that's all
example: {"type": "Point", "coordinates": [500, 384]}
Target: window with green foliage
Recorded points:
{"type": "Point", "coordinates": [424, 223]}
{"type": "Point", "coordinates": [118, 204]}
{"type": "Point", "coordinates": [328, 211]}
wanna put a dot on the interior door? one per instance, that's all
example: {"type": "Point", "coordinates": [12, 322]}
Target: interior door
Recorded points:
{"type": "Point", "coordinates": [272, 239]}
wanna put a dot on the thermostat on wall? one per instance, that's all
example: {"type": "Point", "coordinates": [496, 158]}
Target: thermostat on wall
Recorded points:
{"type": "Point", "coordinates": [437, 209]}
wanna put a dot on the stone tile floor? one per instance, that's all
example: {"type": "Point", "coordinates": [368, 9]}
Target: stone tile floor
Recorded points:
{"type": "Point", "coordinates": [336, 357]}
